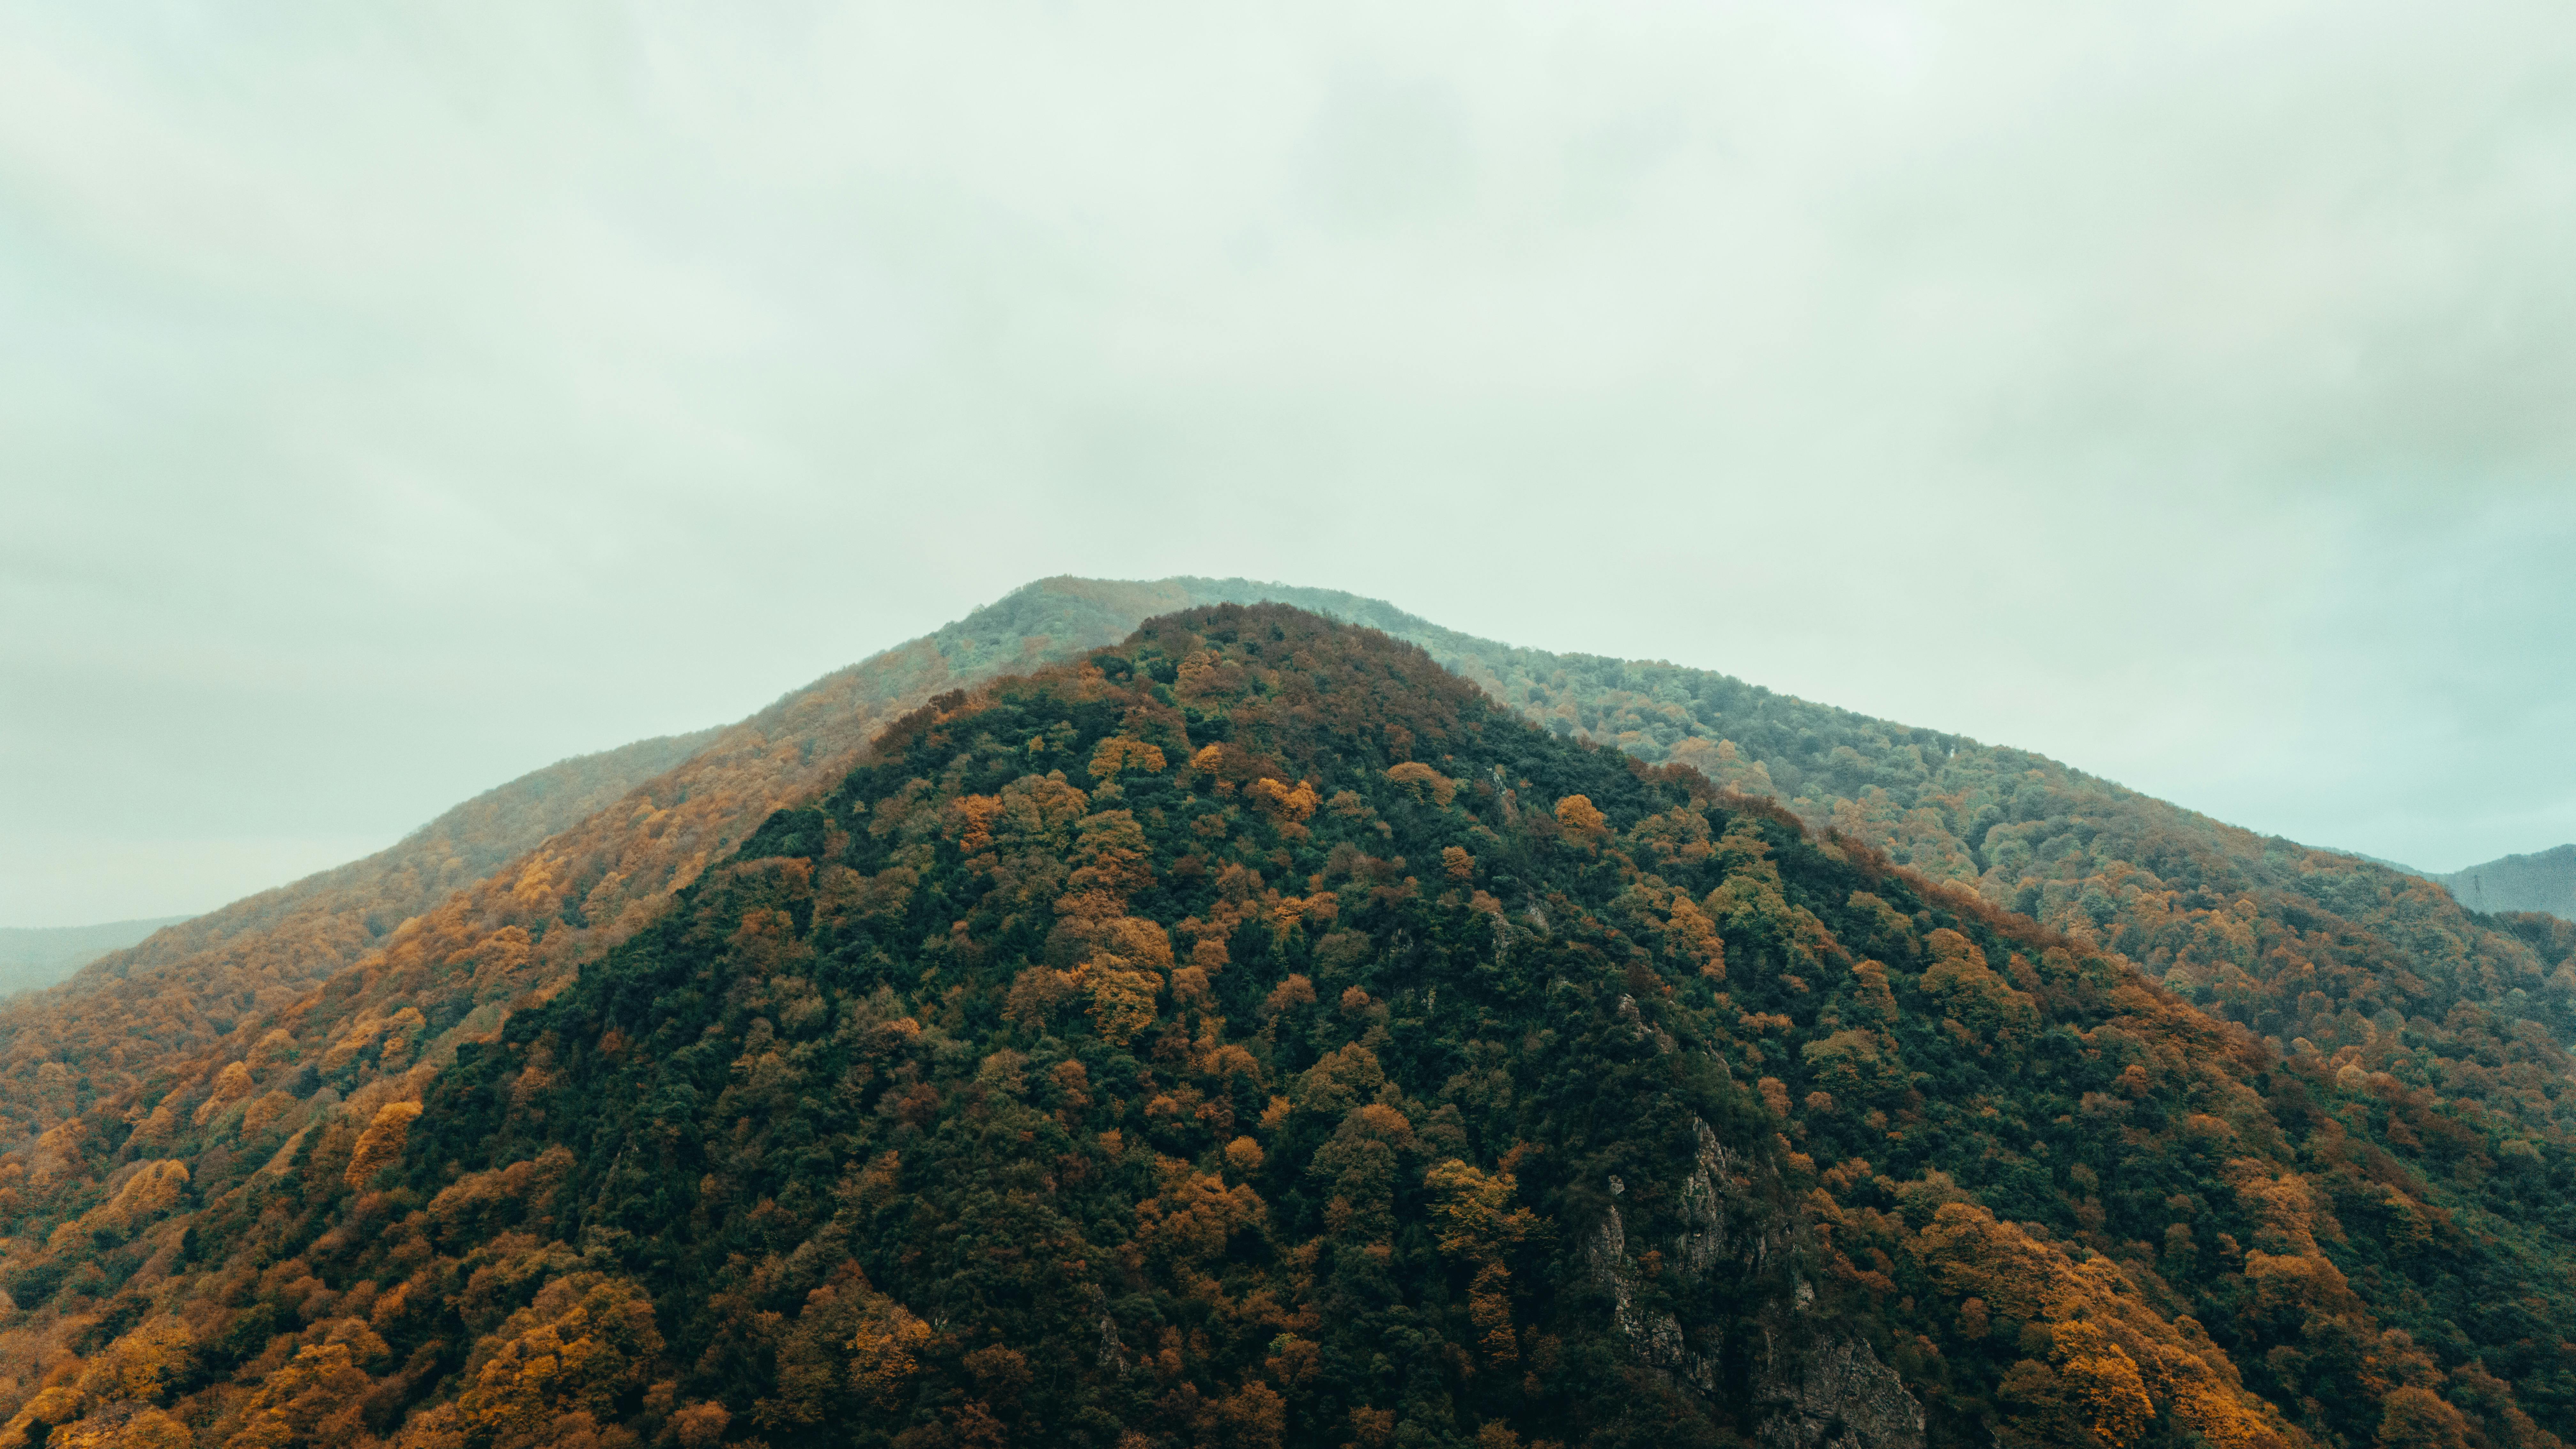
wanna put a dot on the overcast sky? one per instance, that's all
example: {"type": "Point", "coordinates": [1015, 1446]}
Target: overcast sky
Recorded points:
{"type": "Point", "coordinates": [395, 399]}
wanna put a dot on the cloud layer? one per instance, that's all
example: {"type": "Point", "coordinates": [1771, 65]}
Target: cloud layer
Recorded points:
{"type": "Point", "coordinates": [390, 403]}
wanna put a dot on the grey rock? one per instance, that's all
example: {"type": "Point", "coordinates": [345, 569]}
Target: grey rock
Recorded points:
{"type": "Point", "coordinates": [1702, 1204]}
{"type": "Point", "coordinates": [1631, 1018]}
{"type": "Point", "coordinates": [1841, 1398]}
{"type": "Point", "coordinates": [1605, 1254]}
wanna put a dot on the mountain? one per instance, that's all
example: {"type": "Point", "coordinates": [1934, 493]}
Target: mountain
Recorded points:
{"type": "Point", "coordinates": [189, 983]}
{"type": "Point", "coordinates": [2327, 956]}
{"type": "Point", "coordinates": [43, 955]}
{"type": "Point", "coordinates": [2363, 1212]}
{"type": "Point", "coordinates": [2542, 882]}
{"type": "Point", "coordinates": [1255, 1034]}
{"type": "Point", "coordinates": [367, 897]}
{"type": "Point", "coordinates": [629, 823]}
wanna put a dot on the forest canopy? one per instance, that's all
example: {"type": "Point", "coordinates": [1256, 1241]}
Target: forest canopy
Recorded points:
{"type": "Point", "coordinates": [1255, 1033]}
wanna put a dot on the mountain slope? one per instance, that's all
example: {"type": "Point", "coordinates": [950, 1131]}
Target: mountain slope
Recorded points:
{"type": "Point", "coordinates": [2444, 1118]}
{"type": "Point", "coordinates": [460, 845]}
{"type": "Point", "coordinates": [191, 981]}
{"type": "Point", "coordinates": [634, 821]}
{"type": "Point", "coordinates": [116, 1060]}
{"type": "Point", "coordinates": [150, 1065]}
{"type": "Point", "coordinates": [1257, 1036]}
{"type": "Point", "coordinates": [2545, 881]}
{"type": "Point", "coordinates": [40, 956]}
{"type": "Point", "coordinates": [2324, 954]}
{"type": "Point", "coordinates": [2330, 957]}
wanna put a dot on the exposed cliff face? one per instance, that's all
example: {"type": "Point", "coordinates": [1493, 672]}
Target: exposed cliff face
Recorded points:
{"type": "Point", "coordinates": [1719, 1178]}
{"type": "Point", "coordinates": [1812, 1387]}
{"type": "Point", "coordinates": [1835, 1395]}
{"type": "Point", "coordinates": [1656, 1339]}
{"type": "Point", "coordinates": [1720, 1224]}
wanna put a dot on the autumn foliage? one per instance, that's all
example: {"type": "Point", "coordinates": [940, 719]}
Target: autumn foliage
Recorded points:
{"type": "Point", "coordinates": [1253, 1034]}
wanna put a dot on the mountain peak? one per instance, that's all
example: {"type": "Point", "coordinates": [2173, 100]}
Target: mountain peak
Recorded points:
{"type": "Point", "coordinates": [1147, 1011]}
{"type": "Point", "coordinates": [1259, 976]}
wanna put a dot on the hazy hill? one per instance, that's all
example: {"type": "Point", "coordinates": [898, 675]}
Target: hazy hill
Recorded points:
{"type": "Point", "coordinates": [190, 984]}
{"type": "Point", "coordinates": [477, 874]}
{"type": "Point", "coordinates": [2407, 1130]}
{"type": "Point", "coordinates": [375, 893]}
{"type": "Point", "coordinates": [2545, 881]}
{"type": "Point", "coordinates": [43, 955]}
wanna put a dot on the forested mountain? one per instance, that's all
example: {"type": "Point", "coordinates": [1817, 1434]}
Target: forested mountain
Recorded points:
{"type": "Point", "coordinates": [102, 1073]}
{"type": "Point", "coordinates": [2368, 968]}
{"type": "Point", "coordinates": [2545, 881]}
{"type": "Point", "coordinates": [459, 846]}
{"type": "Point", "coordinates": [898, 1121]}
{"type": "Point", "coordinates": [2324, 954]}
{"type": "Point", "coordinates": [1256, 1036]}
{"type": "Point", "coordinates": [40, 956]}
{"type": "Point", "coordinates": [631, 822]}
{"type": "Point", "coordinates": [191, 981]}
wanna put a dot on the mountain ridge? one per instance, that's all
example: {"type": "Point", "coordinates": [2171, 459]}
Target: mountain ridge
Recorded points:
{"type": "Point", "coordinates": [2543, 881]}
{"type": "Point", "coordinates": [37, 956]}
{"type": "Point", "coordinates": [1994, 829]}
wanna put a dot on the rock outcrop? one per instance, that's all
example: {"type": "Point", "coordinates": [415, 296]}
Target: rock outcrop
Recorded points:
{"type": "Point", "coordinates": [1839, 1397]}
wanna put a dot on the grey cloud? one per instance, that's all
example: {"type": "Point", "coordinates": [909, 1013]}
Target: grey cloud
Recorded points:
{"type": "Point", "coordinates": [394, 401]}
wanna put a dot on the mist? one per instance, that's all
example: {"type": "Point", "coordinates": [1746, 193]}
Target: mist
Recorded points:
{"type": "Point", "coordinates": [393, 402]}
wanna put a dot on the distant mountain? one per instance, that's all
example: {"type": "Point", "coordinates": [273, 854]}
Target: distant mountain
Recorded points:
{"type": "Point", "coordinates": [43, 955]}
{"type": "Point", "coordinates": [695, 795]}
{"type": "Point", "coordinates": [2545, 881]}
{"type": "Point", "coordinates": [619, 830]}
{"type": "Point", "coordinates": [2236, 1141]}
{"type": "Point", "coordinates": [188, 983]}
{"type": "Point", "coordinates": [370, 896]}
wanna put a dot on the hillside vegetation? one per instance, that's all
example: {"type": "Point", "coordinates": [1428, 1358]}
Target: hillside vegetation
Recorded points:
{"type": "Point", "coordinates": [2351, 1206]}
{"type": "Point", "coordinates": [192, 981]}
{"type": "Point", "coordinates": [589, 845]}
{"type": "Point", "coordinates": [2325, 955]}
{"type": "Point", "coordinates": [87, 1046]}
{"type": "Point", "coordinates": [1254, 1035]}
